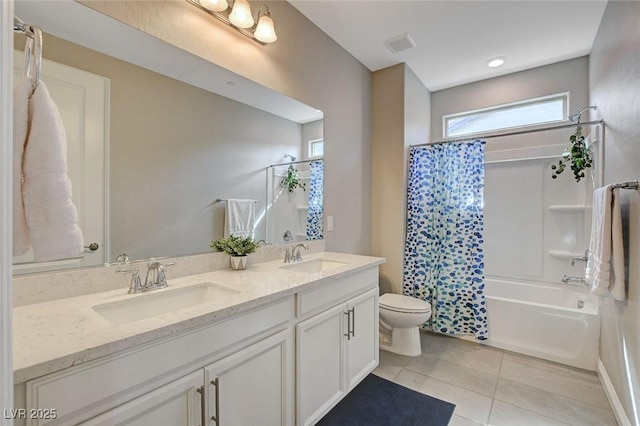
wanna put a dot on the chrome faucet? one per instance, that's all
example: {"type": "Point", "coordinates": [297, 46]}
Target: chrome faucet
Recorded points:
{"type": "Point", "coordinates": [156, 276]}
{"type": "Point", "coordinates": [583, 258]}
{"type": "Point", "coordinates": [135, 286]}
{"type": "Point", "coordinates": [287, 255]}
{"type": "Point", "coordinates": [569, 279]}
{"type": "Point", "coordinates": [295, 253]}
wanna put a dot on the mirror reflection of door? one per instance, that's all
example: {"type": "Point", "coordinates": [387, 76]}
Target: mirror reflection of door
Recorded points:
{"type": "Point", "coordinates": [83, 101]}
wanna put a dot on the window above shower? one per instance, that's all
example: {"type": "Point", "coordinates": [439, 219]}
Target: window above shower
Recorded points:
{"type": "Point", "coordinates": [530, 112]}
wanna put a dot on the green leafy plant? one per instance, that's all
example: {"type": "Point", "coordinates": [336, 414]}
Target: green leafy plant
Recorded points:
{"type": "Point", "coordinates": [577, 154]}
{"type": "Point", "coordinates": [234, 245]}
{"type": "Point", "coordinates": [292, 181]}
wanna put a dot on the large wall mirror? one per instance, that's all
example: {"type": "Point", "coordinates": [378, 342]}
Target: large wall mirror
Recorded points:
{"type": "Point", "coordinates": [159, 138]}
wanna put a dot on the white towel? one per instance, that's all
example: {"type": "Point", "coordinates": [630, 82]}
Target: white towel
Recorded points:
{"type": "Point", "coordinates": [605, 264]}
{"type": "Point", "coordinates": [46, 190]}
{"type": "Point", "coordinates": [21, 242]}
{"type": "Point", "coordinates": [240, 218]}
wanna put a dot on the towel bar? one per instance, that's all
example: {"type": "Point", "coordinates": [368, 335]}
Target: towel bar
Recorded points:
{"type": "Point", "coordinates": [627, 185]}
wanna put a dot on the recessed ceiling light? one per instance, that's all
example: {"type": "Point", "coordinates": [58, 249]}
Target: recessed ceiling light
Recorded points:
{"type": "Point", "coordinates": [497, 61]}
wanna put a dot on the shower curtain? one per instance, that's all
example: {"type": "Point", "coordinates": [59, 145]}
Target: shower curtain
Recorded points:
{"type": "Point", "coordinates": [314, 214]}
{"type": "Point", "coordinates": [444, 260]}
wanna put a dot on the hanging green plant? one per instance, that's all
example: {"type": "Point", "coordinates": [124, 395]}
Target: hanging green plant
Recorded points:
{"type": "Point", "coordinates": [577, 154]}
{"type": "Point", "coordinates": [292, 181]}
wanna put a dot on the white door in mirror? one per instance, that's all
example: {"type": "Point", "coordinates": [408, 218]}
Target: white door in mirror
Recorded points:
{"type": "Point", "coordinates": [82, 99]}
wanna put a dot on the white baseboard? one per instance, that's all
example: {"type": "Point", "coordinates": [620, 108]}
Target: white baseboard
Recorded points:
{"type": "Point", "coordinates": [609, 390]}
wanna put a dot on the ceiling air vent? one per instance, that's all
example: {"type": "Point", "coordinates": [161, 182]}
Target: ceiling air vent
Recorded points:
{"type": "Point", "coordinates": [400, 43]}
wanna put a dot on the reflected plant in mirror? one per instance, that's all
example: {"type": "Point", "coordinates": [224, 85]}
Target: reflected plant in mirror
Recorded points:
{"type": "Point", "coordinates": [146, 170]}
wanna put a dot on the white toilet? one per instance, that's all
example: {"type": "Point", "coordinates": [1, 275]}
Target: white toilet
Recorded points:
{"type": "Point", "coordinates": [400, 317]}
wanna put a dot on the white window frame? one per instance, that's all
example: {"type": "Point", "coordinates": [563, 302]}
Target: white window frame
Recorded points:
{"type": "Point", "coordinates": [557, 96]}
{"type": "Point", "coordinates": [311, 143]}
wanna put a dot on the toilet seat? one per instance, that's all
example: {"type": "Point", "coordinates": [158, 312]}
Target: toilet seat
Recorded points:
{"type": "Point", "coordinates": [403, 304]}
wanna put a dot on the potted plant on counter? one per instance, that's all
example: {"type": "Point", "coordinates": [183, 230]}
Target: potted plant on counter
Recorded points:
{"type": "Point", "coordinates": [237, 247]}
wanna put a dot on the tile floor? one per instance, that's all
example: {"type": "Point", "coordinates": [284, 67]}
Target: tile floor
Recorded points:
{"type": "Point", "coordinates": [500, 388]}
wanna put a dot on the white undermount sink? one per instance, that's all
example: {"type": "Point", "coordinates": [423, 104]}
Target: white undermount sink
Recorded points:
{"type": "Point", "coordinates": [153, 304]}
{"type": "Point", "coordinates": [314, 265]}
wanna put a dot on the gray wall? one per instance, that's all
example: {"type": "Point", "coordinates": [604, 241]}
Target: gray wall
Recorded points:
{"type": "Point", "coordinates": [304, 64]}
{"type": "Point", "coordinates": [174, 149]}
{"type": "Point", "coordinates": [571, 76]}
{"type": "Point", "coordinates": [401, 117]}
{"type": "Point", "coordinates": [614, 82]}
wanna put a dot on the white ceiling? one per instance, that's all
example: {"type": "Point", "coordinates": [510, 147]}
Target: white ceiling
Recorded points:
{"type": "Point", "coordinates": [456, 38]}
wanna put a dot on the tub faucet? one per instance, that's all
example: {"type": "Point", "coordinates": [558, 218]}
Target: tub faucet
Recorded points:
{"type": "Point", "coordinates": [569, 279]}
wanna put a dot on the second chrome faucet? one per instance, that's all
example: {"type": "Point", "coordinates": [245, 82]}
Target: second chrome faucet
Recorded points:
{"type": "Point", "coordinates": [156, 277]}
{"type": "Point", "coordinates": [293, 254]}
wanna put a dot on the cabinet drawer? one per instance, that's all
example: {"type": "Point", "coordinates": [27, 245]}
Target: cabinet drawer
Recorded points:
{"type": "Point", "coordinates": [313, 301]}
{"type": "Point", "coordinates": [79, 393]}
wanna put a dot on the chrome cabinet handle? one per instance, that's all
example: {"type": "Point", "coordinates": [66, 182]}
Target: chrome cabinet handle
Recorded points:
{"type": "Point", "coordinates": [353, 321]}
{"type": "Point", "coordinates": [203, 401]}
{"type": "Point", "coordinates": [216, 383]}
{"type": "Point", "coordinates": [348, 314]}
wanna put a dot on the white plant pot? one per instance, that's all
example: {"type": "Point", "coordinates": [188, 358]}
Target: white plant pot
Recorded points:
{"type": "Point", "coordinates": [238, 262]}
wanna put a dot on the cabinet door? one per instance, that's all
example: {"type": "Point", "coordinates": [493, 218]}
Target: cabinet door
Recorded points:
{"type": "Point", "coordinates": [177, 404]}
{"type": "Point", "coordinates": [252, 386]}
{"type": "Point", "coordinates": [320, 363]}
{"type": "Point", "coordinates": [362, 343]}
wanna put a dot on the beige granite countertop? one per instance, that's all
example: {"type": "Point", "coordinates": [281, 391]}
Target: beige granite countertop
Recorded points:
{"type": "Point", "coordinates": [58, 334]}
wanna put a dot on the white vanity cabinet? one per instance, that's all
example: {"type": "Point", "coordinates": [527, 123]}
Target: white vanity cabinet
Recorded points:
{"type": "Point", "coordinates": [162, 378]}
{"type": "Point", "coordinates": [286, 361]}
{"type": "Point", "coordinates": [250, 387]}
{"type": "Point", "coordinates": [177, 403]}
{"type": "Point", "coordinates": [337, 347]}
{"type": "Point", "coordinates": [253, 386]}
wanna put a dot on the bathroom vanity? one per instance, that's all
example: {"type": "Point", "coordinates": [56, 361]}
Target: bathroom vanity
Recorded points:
{"type": "Point", "coordinates": [277, 344]}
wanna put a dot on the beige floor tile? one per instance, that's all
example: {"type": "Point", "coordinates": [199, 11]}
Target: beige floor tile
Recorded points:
{"type": "Point", "coordinates": [469, 405]}
{"type": "Point", "coordinates": [455, 374]}
{"type": "Point", "coordinates": [468, 354]}
{"type": "Point", "coordinates": [461, 421]}
{"type": "Point", "coordinates": [503, 414]}
{"type": "Point", "coordinates": [553, 367]}
{"type": "Point", "coordinates": [574, 387]}
{"type": "Point", "coordinates": [553, 405]}
{"type": "Point", "coordinates": [390, 365]}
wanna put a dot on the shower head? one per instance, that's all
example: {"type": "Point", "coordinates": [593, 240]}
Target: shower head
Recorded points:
{"type": "Point", "coordinates": [290, 156]}
{"type": "Point", "coordinates": [575, 118]}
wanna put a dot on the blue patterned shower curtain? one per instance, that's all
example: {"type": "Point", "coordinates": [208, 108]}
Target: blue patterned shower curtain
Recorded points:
{"type": "Point", "coordinates": [444, 260]}
{"type": "Point", "coordinates": [314, 214]}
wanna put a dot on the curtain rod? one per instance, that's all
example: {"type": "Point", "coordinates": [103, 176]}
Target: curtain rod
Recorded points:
{"type": "Point", "coordinates": [298, 162]}
{"type": "Point", "coordinates": [519, 132]}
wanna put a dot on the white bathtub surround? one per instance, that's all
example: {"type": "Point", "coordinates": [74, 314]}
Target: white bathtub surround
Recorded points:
{"type": "Point", "coordinates": [605, 266]}
{"type": "Point", "coordinates": [37, 288]}
{"type": "Point", "coordinates": [545, 321]}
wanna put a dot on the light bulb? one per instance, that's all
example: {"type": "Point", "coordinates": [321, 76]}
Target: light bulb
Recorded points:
{"type": "Point", "coordinates": [241, 14]}
{"type": "Point", "coordinates": [214, 5]}
{"type": "Point", "coordinates": [265, 32]}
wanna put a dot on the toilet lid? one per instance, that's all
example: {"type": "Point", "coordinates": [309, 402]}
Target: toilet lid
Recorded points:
{"type": "Point", "coordinates": [402, 303]}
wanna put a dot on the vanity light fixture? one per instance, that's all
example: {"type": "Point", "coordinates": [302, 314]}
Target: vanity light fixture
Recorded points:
{"type": "Point", "coordinates": [496, 62]}
{"type": "Point", "coordinates": [237, 14]}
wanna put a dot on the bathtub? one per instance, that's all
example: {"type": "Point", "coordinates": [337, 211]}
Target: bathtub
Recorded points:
{"type": "Point", "coordinates": [557, 323]}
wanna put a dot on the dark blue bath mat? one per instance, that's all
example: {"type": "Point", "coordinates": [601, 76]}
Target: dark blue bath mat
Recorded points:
{"type": "Point", "coordinates": [379, 402]}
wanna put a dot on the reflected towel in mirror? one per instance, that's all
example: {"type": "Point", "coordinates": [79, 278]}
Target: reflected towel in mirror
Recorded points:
{"type": "Point", "coordinates": [240, 218]}
{"type": "Point", "coordinates": [51, 216]}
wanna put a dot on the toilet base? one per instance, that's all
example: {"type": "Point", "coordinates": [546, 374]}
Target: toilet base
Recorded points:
{"type": "Point", "coordinates": [403, 341]}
